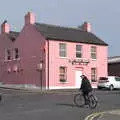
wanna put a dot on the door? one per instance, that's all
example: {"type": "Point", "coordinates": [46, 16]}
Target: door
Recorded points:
{"type": "Point", "coordinates": [117, 82]}
{"type": "Point", "coordinates": [78, 79]}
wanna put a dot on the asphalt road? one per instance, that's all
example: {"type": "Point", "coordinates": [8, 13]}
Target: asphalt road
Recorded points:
{"type": "Point", "coordinates": [20, 105]}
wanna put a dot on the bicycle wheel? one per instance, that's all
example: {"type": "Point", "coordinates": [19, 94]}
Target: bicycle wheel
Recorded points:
{"type": "Point", "coordinates": [79, 100]}
{"type": "Point", "coordinates": [92, 101]}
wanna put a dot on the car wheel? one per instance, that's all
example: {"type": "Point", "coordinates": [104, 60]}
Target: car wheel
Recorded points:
{"type": "Point", "coordinates": [111, 87]}
{"type": "Point", "coordinates": [99, 88]}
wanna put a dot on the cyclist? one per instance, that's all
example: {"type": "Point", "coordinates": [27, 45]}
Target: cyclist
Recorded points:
{"type": "Point", "coordinates": [85, 87]}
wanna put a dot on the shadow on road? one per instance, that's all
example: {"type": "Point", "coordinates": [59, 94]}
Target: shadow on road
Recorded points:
{"type": "Point", "coordinates": [68, 104]}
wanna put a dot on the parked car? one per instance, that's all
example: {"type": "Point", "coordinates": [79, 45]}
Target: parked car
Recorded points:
{"type": "Point", "coordinates": [109, 82]}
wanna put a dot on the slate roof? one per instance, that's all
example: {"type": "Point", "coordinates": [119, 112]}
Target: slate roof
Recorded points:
{"type": "Point", "coordinates": [13, 35]}
{"type": "Point", "coordinates": [53, 32]}
{"type": "Point", "coordinates": [115, 59]}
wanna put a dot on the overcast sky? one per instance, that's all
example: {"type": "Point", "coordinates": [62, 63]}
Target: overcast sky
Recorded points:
{"type": "Point", "coordinates": [104, 15]}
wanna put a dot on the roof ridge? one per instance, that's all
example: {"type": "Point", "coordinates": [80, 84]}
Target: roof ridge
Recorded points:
{"type": "Point", "coordinates": [113, 57]}
{"type": "Point", "coordinates": [14, 32]}
{"type": "Point", "coordinates": [59, 26]}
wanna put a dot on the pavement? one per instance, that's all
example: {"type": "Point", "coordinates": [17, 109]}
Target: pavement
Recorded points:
{"type": "Point", "coordinates": [38, 90]}
{"type": "Point", "coordinates": [106, 115]}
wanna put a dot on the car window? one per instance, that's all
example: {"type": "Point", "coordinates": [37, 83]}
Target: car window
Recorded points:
{"type": "Point", "coordinates": [103, 80]}
{"type": "Point", "coordinates": [117, 78]}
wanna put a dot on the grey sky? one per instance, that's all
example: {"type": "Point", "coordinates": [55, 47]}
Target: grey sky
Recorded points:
{"type": "Point", "coordinates": [104, 15]}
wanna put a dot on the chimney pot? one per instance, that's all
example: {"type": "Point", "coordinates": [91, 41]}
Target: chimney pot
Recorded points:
{"type": "Point", "coordinates": [5, 27]}
{"type": "Point", "coordinates": [30, 18]}
{"type": "Point", "coordinates": [87, 27]}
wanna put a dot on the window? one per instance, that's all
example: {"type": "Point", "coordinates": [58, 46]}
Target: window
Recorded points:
{"type": "Point", "coordinates": [62, 50]}
{"type": "Point", "coordinates": [8, 54]}
{"type": "Point", "coordinates": [63, 74]}
{"type": "Point", "coordinates": [93, 52]}
{"type": "Point", "coordinates": [93, 75]}
{"type": "Point", "coordinates": [117, 78]}
{"type": "Point", "coordinates": [78, 51]}
{"type": "Point", "coordinates": [16, 53]}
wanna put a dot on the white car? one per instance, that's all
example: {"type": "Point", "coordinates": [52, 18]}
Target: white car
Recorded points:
{"type": "Point", "coordinates": [109, 82]}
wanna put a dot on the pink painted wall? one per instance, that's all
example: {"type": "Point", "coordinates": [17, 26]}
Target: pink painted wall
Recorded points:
{"type": "Point", "coordinates": [6, 43]}
{"type": "Point", "coordinates": [31, 49]}
{"type": "Point", "coordinates": [55, 62]}
{"type": "Point", "coordinates": [30, 44]}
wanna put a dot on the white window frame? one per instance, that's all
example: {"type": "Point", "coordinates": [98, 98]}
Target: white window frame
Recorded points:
{"type": "Point", "coordinates": [8, 53]}
{"type": "Point", "coordinates": [93, 74]}
{"type": "Point", "coordinates": [64, 74]}
{"type": "Point", "coordinates": [63, 50]}
{"type": "Point", "coordinates": [94, 52]}
{"type": "Point", "coordinates": [15, 53]}
{"type": "Point", "coordinates": [79, 51]}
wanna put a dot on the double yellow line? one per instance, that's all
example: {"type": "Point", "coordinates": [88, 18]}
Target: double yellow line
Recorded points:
{"type": "Point", "coordinates": [94, 115]}
{"type": "Point", "coordinates": [100, 114]}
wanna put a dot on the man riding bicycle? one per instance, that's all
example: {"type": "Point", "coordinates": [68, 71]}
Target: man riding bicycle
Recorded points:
{"type": "Point", "coordinates": [85, 87]}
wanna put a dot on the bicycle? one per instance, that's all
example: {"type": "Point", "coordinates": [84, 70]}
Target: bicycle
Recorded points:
{"type": "Point", "coordinates": [79, 100]}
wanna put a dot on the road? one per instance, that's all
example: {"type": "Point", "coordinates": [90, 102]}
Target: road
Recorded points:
{"type": "Point", "coordinates": [18, 105]}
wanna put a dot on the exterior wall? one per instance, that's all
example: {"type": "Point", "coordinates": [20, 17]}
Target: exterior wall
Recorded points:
{"type": "Point", "coordinates": [34, 48]}
{"type": "Point", "coordinates": [31, 47]}
{"type": "Point", "coordinates": [113, 69]}
{"type": "Point", "coordinates": [55, 62]}
{"type": "Point", "coordinates": [5, 43]}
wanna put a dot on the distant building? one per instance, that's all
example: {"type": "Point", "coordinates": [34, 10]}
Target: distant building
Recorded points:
{"type": "Point", "coordinates": [114, 66]}
{"type": "Point", "coordinates": [50, 56]}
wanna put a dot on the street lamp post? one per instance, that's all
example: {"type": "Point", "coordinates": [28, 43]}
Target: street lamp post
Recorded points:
{"type": "Point", "coordinates": [41, 67]}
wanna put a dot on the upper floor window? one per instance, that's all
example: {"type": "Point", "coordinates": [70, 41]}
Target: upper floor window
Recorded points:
{"type": "Point", "coordinates": [78, 51]}
{"type": "Point", "coordinates": [93, 52]}
{"type": "Point", "coordinates": [62, 50]}
{"type": "Point", "coordinates": [16, 53]}
{"type": "Point", "coordinates": [93, 75]}
{"type": "Point", "coordinates": [63, 74]}
{"type": "Point", "coordinates": [7, 54]}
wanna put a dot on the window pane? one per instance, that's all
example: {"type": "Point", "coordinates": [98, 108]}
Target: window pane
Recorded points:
{"type": "Point", "coordinates": [93, 55]}
{"type": "Point", "coordinates": [62, 53]}
{"type": "Point", "coordinates": [62, 46]}
{"type": "Point", "coordinates": [117, 79]}
{"type": "Point", "coordinates": [8, 54]}
{"type": "Point", "coordinates": [93, 52]}
{"type": "Point", "coordinates": [93, 49]}
{"type": "Point", "coordinates": [16, 53]}
{"type": "Point", "coordinates": [62, 70]}
{"type": "Point", "coordinates": [78, 47]}
{"type": "Point", "coordinates": [62, 50]}
{"type": "Point", "coordinates": [78, 51]}
{"type": "Point", "coordinates": [62, 74]}
{"type": "Point", "coordinates": [79, 55]}
{"type": "Point", "coordinates": [93, 75]}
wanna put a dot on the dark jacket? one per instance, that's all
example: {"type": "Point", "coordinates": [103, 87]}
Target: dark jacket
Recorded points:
{"type": "Point", "coordinates": [86, 85]}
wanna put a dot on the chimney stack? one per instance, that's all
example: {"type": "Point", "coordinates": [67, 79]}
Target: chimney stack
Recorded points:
{"type": "Point", "coordinates": [30, 18]}
{"type": "Point", "coordinates": [87, 27]}
{"type": "Point", "coordinates": [5, 27]}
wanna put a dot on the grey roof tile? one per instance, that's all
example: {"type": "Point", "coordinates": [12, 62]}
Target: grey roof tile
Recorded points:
{"type": "Point", "coordinates": [13, 35]}
{"type": "Point", "coordinates": [53, 32]}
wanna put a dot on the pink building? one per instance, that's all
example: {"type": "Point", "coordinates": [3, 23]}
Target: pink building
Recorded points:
{"type": "Point", "coordinates": [50, 56]}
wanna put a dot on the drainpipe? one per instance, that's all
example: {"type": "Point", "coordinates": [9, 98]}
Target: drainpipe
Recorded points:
{"type": "Point", "coordinates": [48, 64]}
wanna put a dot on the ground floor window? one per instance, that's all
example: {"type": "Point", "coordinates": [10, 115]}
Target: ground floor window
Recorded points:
{"type": "Point", "coordinates": [62, 74]}
{"type": "Point", "coordinates": [93, 75]}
